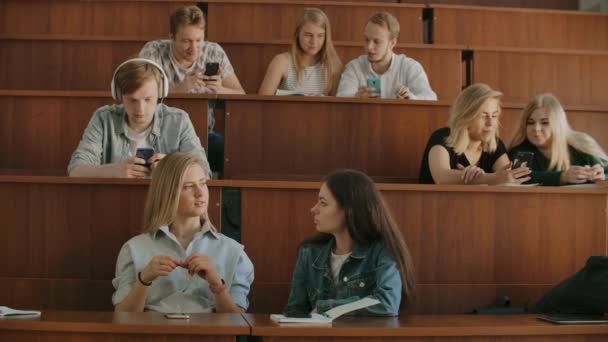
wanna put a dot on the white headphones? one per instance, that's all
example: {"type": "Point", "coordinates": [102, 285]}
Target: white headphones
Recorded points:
{"type": "Point", "coordinates": [163, 89]}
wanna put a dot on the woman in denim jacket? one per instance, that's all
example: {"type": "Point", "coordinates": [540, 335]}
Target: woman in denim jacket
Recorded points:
{"type": "Point", "coordinates": [359, 252]}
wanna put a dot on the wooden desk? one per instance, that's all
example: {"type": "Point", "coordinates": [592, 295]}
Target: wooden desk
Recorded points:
{"type": "Point", "coordinates": [122, 326]}
{"type": "Point", "coordinates": [450, 328]}
{"type": "Point", "coordinates": [469, 244]}
{"type": "Point", "coordinates": [527, 28]}
{"type": "Point", "coordinates": [275, 19]}
{"type": "Point", "coordinates": [62, 236]}
{"type": "Point", "coordinates": [41, 129]}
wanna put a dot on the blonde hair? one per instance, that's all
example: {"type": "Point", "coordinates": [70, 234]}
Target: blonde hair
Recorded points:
{"type": "Point", "coordinates": [465, 110]}
{"type": "Point", "coordinates": [132, 76]}
{"type": "Point", "coordinates": [163, 195]}
{"type": "Point", "coordinates": [387, 21]}
{"type": "Point", "coordinates": [332, 66]}
{"type": "Point", "coordinates": [561, 133]}
{"type": "Point", "coordinates": [185, 16]}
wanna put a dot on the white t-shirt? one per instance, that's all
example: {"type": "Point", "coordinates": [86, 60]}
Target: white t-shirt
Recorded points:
{"type": "Point", "coordinates": [336, 264]}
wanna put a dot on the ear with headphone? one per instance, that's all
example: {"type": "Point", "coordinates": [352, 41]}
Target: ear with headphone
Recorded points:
{"type": "Point", "coordinates": [163, 87]}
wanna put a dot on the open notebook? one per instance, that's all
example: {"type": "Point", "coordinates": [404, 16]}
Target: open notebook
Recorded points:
{"type": "Point", "coordinates": [328, 316]}
{"type": "Point", "coordinates": [6, 311]}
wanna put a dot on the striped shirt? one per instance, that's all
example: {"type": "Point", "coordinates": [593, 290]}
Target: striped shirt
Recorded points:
{"type": "Point", "coordinates": [312, 79]}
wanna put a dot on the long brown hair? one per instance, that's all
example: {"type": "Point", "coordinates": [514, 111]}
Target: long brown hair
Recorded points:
{"type": "Point", "coordinates": [369, 219]}
{"type": "Point", "coordinates": [332, 66]}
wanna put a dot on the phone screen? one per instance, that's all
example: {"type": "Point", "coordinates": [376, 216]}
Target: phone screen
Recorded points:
{"type": "Point", "coordinates": [522, 157]}
{"type": "Point", "coordinates": [145, 154]}
{"type": "Point", "coordinates": [211, 69]}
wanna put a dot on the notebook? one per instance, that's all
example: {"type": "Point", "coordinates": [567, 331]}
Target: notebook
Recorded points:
{"type": "Point", "coordinates": [6, 311]}
{"type": "Point", "coordinates": [575, 319]}
{"type": "Point", "coordinates": [328, 316]}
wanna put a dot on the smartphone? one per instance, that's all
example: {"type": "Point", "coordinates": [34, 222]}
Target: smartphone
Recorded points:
{"type": "Point", "coordinates": [177, 316]}
{"type": "Point", "coordinates": [145, 154]}
{"type": "Point", "coordinates": [522, 157]}
{"type": "Point", "coordinates": [211, 69]}
{"type": "Point", "coordinates": [374, 82]}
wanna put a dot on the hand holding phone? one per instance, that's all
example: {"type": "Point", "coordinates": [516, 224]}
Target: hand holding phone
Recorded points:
{"type": "Point", "coordinates": [212, 68]}
{"type": "Point", "coordinates": [374, 82]}
{"type": "Point", "coordinates": [522, 157]}
{"type": "Point", "coordinates": [145, 154]}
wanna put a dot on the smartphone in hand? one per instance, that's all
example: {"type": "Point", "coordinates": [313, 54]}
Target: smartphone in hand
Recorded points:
{"type": "Point", "coordinates": [374, 82]}
{"type": "Point", "coordinates": [212, 68]}
{"type": "Point", "coordinates": [522, 157]}
{"type": "Point", "coordinates": [145, 154]}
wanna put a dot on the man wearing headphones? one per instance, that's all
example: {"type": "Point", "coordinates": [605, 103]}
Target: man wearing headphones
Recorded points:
{"type": "Point", "coordinates": [110, 142]}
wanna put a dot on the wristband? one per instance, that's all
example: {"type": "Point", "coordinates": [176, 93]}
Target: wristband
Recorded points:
{"type": "Point", "coordinates": [217, 289]}
{"type": "Point", "coordinates": [142, 281]}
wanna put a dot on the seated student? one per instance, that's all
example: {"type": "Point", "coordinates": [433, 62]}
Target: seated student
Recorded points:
{"type": "Point", "coordinates": [399, 76]}
{"type": "Point", "coordinates": [110, 141]}
{"type": "Point", "coordinates": [184, 58]}
{"type": "Point", "coordinates": [180, 263]}
{"type": "Point", "coordinates": [469, 150]}
{"type": "Point", "coordinates": [561, 155]}
{"type": "Point", "coordinates": [311, 67]}
{"type": "Point", "coordinates": [358, 252]}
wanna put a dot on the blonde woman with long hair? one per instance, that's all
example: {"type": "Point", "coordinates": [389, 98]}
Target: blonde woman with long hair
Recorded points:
{"type": "Point", "coordinates": [561, 154]}
{"type": "Point", "coordinates": [180, 263]}
{"type": "Point", "coordinates": [469, 150]}
{"type": "Point", "coordinates": [311, 66]}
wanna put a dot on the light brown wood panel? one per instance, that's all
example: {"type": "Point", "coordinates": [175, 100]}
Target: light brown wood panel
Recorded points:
{"type": "Point", "coordinates": [577, 79]}
{"type": "Point", "coordinates": [63, 235]}
{"type": "Point", "coordinates": [69, 64]}
{"type": "Point", "coordinates": [312, 136]}
{"type": "Point", "coordinates": [126, 17]}
{"type": "Point", "coordinates": [272, 20]}
{"type": "Point", "coordinates": [428, 328]}
{"type": "Point", "coordinates": [442, 65]}
{"type": "Point", "coordinates": [468, 245]}
{"type": "Point", "coordinates": [41, 129]}
{"type": "Point", "coordinates": [541, 4]}
{"type": "Point", "coordinates": [123, 326]}
{"type": "Point", "coordinates": [491, 26]}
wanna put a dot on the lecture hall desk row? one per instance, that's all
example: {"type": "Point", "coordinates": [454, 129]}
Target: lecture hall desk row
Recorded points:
{"type": "Point", "coordinates": [153, 326]}
{"type": "Point", "coordinates": [469, 244]}
{"type": "Point", "coordinates": [266, 137]}
{"type": "Point", "coordinates": [274, 20]}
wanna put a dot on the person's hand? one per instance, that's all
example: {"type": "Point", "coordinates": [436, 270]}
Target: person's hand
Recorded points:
{"type": "Point", "coordinates": [159, 266]}
{"type": "Point", "coordinates": [515, 176]}
{"type": "Point", "coordinates": [133, 167]}
{"type": "Point", "coordinates": [576, 175]}
{"type": "Point", "coordinates": [193, 80]}
{"type": "Point", "coordinates": [202, 265]}
{"type": "Point", "coordinates": [403, 92]}
{"type": "Point", "coordinates": [214, 83]}
{"type": "Point", "coordinates": [155, 159]}
{"type": "Point", "coordinates": [470, 173]}
{"type": "Point", "coordinates": [596, 173]}
{"type": "Point", "coordinates": [367, 92]}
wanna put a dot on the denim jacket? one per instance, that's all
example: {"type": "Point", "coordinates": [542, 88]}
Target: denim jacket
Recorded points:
{"type": "Point", "coordinates": [370, 271]}
{"type": "Point", "coordinates": [104, 140]}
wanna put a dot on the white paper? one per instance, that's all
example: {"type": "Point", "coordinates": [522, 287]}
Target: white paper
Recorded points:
{"type": "Point", "coordinates": [6, 311]}
{"type": "Point", "coordinates": [328, 316]}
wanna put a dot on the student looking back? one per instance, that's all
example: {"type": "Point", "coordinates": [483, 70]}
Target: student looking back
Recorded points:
{"type": "Point", "coordinates": [311, 66]}
{"type": "Point", "coordinates": [561, 154]}
{"type": "Point", "coordinates": [398, 76]}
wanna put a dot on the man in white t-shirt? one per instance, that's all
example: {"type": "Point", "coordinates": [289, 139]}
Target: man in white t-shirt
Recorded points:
{"type": "Point", "coordinates": [398, 76]}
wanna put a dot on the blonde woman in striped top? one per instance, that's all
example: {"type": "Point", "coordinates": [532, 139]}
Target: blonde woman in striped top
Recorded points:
{"type": "Point", "coordinates": [311, 66]}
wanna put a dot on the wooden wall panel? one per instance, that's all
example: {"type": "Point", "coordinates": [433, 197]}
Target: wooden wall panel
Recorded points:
{"type": "Point", "coordinates": [541, 4]}
{"type": "Point", "coordinates": [73, 17]}
{"type": "Point", "coordinates": [312, 138]}
{"type": "Point", "coordinates": [40, 64]}
{"type": "Point", "coordinates": [63, 239]}
{"type": "Point", "coordinates": [468, 246]}
{"type": "Point", "coordinates": [41, 130]}
{"type": "Point", "coordinates": [276, 20]}
{"type": "Point", "coordinates": [486, 26]}
{"type": "Point", "coordinates": [576, 79]}
{"type": "Point", "coordinates": [442, 65]}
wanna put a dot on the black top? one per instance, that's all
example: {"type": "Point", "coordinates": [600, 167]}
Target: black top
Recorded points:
{"type": "Point", "coordinates": [486, 161]}
{"type": "Point", "coordinates": [540, 164]}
